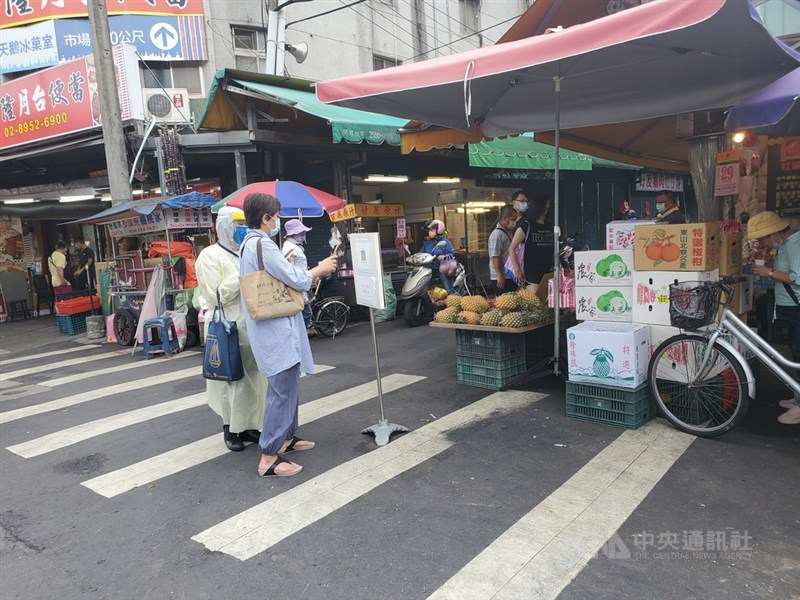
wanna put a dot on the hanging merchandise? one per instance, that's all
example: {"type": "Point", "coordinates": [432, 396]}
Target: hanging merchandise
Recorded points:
{"type": "Point", "coordinates": [174, 180]}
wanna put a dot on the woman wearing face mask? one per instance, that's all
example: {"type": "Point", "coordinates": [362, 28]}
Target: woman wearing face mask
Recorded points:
{"type": "Point", "coordinates": [537, 235]}
{"type": "Point", "coordinates": [771, 230]}
{"type": "Point", "coordinates": [239, 403]}
{"type": "Point", "coordinates": [280, 345]}
{"type": "Point", "coordinates": [295, 253]}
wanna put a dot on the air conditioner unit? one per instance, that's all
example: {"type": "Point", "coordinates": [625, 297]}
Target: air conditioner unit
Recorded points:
{"type": "Point", "coordinates": [170, 105]}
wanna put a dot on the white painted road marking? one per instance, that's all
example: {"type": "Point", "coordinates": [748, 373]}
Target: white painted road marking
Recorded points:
{"type": "Point", "coordinates": [61, 352]}
{"type": "Point", "coordinates": [117, 368]}
{"type": "Point", "coordinates": [261, 527]}
{"type": "Point", "coordinates": [540, 554]}
{"type": "Point", "coordinates": [85, 431]}
{"type": "Point", "coordinates": [149, 470]}
{"type": "Point", "coordinates": [112, 390]}
{"type": "Point", "coordinates": [57, 365]}
{"type": "Point", "coordinates": [11, 390]}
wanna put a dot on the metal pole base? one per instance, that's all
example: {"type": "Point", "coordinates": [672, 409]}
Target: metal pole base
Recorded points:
{"type": "Point", "coordinates": [383, 430]}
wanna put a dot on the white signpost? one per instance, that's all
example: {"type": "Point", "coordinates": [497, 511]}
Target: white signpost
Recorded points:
{"type": "Point", "coordinates": [365, 249]}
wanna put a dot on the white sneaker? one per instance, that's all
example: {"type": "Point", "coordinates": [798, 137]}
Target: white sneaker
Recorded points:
{"type": "Point", "coordinates": [790, 417]}
{"type": "Point", "coordinates": [787, 403]}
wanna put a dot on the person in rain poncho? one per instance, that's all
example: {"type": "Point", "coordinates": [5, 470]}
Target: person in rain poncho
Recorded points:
{"type": "Point", "coordinates": [239, 403]}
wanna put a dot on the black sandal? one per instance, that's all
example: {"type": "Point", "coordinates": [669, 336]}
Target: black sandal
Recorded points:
{"type": "Point", "coordinates": [271, 471]}
{"type": "Point", "coordinates": [291, 448]}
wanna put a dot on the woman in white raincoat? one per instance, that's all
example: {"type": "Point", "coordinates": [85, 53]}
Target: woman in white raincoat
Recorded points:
{"type": "Point", "coordinates": [239, 403]}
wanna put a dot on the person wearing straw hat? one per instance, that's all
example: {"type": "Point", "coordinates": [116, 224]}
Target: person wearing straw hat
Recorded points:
{"type": "Point", "coordinates": [294, 251]}
{"type": "Point", "coordinates": [241, 403]}
{"type": "Point", "coordinates": [772, 231]}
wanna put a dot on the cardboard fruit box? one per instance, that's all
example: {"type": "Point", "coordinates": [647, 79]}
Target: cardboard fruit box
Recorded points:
{"type": "Point", "coordinates": [685, 247]}
{"type": "Point", "coordinates": [604, 303]}
{"type": "Point", "coordinates": [730, 253]}
{"type": "Point", "coordinates": [604, 267]}
{"type": "Point", "coordinates": [742, 301]}
{"type": "Point", "coordinates": [609, 353]}
{"type": "Point", "coordinates": [651, 293]}
{"type": "Point", "coordinates": [620, 235]}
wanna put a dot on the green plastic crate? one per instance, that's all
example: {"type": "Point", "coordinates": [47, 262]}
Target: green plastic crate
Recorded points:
{"type": "Point", "coordinates": [71, 324]}
{"type": "Point", "coordinates": [489, 373]}
{"type": "Point", "coordinates": [489, 344]}
{"type": "Point", "coordinates": [621, 407]}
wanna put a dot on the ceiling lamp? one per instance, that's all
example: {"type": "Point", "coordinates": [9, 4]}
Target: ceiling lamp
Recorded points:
{"type": "Point", "coordinates": [738, 137]}
{"type": "Point", "coordinates": [386, 178]}
{"type": "Point", "coordinates": [443, 180]}
{"type": "Point", "coordinates": [77, 198]}
{"type": "Point", "coordinates": [20, 201]}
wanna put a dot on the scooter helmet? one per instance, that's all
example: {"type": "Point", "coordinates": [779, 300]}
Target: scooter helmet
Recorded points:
{"type": "Point", "coordinates": [436, 224]}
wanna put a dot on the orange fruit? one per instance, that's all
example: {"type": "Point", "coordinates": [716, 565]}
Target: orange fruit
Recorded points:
{"type": "Point", "coordinates": [670, 252]}
{"type": "Point", "coordinates": [653, 251]}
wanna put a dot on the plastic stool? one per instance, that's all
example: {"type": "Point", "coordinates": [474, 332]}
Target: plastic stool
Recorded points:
{"type": "Point", "coordinates": [19, 308]}
{"type": "Point", "coordinates": [159, 335]}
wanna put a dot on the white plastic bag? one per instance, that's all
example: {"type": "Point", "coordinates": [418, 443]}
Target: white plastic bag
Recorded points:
{"type": "Point", "coordinates": [179, 320]}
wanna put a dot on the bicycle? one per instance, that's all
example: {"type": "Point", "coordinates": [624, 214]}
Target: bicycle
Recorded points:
{"type": "Point", "coordinates": [329, 316]}
{"type": "Point", "coordinates": [700, 382]}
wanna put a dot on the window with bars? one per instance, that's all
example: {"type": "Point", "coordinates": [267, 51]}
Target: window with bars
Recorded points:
{"type": "Point", "coordinates": [383, 62]}
{"type": "Point", "coordinates": [158, 74]}
{"type": "Point", "coordinates": [250, 49]}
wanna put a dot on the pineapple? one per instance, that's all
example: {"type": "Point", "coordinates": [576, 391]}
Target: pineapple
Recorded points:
{"type": "Point", "coordinates": [528, 299]}
{"type": "Point", "coordinates": [508, 301]}
{"type": "Point", "coordinates": [453, 301]}
{"type": "Point", "coordinates": [470, 317]}
{"type": "Point", "coordinates": [448, 315]}
{"type": "Point", "coordinates": [601, 367]}
{"type": "Point", "coordinates": [477, 304]}
{"type": "Point", "coordinates": [514, 320]}
{"type": "Point", "coordinates": [492, 318]}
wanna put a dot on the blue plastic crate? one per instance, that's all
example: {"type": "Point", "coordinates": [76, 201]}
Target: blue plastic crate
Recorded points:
{"type": "Point", "coordinates": [71, 324]}
{"type": "Point", "coordinates": [621, 407]}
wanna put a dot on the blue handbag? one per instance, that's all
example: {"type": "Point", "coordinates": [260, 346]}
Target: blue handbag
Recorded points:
{"type": "Point", "coordinates": [222, 360]}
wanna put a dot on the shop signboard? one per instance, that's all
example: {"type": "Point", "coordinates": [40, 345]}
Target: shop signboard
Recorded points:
{"type": "Point", "coordinates": [726, 181]}
{"type": "Point", "coordinates": [401, 228]}
{"type": "Point", "coordinates": [23, 12]}
{"type": "Point", "coordinates": [783, 175]}
{"type": "Point", "coordinates": [658, 182]}
{"type": "Point", "coordinates": [28, 48]}
{"type": "Point", "coordinates": [158, 221]}
{"type": "Point", "coordinates": [64, 99]}
{"type": "Point", "coordinates": [353, 211]}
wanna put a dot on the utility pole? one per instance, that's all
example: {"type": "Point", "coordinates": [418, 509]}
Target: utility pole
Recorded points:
{"type": "Point", "coordinates": [113, 137]}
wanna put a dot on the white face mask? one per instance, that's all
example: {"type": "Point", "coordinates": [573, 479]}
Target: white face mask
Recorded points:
{"type": "Point", "coordinates": [274, 232]}
{"type": "Point", "coordinates": [660, 207]}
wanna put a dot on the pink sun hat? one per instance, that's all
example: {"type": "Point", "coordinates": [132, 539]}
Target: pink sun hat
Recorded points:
{"type": "Point", "coordinates": [295, 226]}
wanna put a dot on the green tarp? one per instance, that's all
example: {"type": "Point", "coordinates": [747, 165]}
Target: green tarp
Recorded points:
{"type": "Point", "coordinates": [522, 152]}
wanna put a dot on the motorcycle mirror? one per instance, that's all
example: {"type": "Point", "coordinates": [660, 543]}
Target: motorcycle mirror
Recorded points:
{"type": "Point", "coordinates": [407, 249]}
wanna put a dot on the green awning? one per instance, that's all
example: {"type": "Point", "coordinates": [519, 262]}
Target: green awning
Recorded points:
{"type": "Point", "coordinates": [522, 152]}
{"type": "Point", "coordinates": [347, 124]}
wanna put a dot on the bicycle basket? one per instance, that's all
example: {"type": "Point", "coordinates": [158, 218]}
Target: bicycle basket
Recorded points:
{"type": "Point", "coordinates": [693, 305]}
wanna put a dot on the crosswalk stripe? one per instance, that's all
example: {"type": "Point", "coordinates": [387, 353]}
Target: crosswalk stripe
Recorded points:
{"type": "Point", "coordinates": [115, 369]}
{"type": "Point", "coordinates": [112, 390]}
{"type": "Point", "coordinates": [62, 352]}
{"type": "Point", "coordinates": [151, 469]}
{"type": "Point", "coordinates": [259, 528]}
{"type": "Point", "coordinates": [79, 433]}
{"type": "Point", "coordinates": [58, 365]}
{"type": "Point", "coordinates": [540, 554]}
{"type": "Point", "coordinates": [11, 390]}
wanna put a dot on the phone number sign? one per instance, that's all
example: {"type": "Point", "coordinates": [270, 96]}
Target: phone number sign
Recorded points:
{"type": "Point", "coordinates": [158, 221]}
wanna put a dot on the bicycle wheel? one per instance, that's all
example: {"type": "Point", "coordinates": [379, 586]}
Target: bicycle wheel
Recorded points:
{"type": "Point", "coordinates": [707, 403]}
{"type": "Point", "coordinates": [330, 319]}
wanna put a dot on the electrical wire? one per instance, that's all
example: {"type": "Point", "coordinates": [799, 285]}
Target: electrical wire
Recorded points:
{"type": "Point", "coordinates": [450, 18]}
{"type": "Point", "coordinates": [383, 28]}
{"type": "Point", "coordinates": [413, 24]}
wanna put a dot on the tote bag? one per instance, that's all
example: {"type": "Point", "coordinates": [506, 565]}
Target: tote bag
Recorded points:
{"type": "Point", "coordinates": [509, 268]}
{"type": "Point", "coordinates": [222, 360]}
{"type": "Point", "coordinates": [266, 297]}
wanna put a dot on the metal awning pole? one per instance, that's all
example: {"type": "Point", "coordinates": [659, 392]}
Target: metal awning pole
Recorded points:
{"type": "Point", "coordinates": [557, 235]}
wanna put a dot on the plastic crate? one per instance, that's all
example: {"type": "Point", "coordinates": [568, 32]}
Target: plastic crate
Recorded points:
{"type": "Point", "coordinates": [71, 324]}
{"type": "Point", "coordinates": [489, 373]}
{"type": "Point", "coordinates": [489, 344]}
{"type": "Point", "coordinates": [620, 407]}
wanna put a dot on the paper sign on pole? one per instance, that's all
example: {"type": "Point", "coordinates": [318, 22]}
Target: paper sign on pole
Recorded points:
{"type": "Point", "coordinates": [401, 228]}
{"type": "Point", "coordinates": [727, 174]}
{"type": "Point", "coordinates": [365, 249]}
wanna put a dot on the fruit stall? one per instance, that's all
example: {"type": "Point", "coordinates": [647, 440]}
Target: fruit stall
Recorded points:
{"type": "Point", "coordinates": [497, 340]}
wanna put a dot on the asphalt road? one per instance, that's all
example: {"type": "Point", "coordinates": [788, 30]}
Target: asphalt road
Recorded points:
{"type": "Point", "coordinates": [116, 484]}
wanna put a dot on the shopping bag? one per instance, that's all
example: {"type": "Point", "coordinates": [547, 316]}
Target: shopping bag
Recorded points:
{"type": "Point", "coordinates": [266, 297]}
{"type": "Point", "coordinates": [448, 266]}
{"type": "Point", "coordinates": [222, 360]}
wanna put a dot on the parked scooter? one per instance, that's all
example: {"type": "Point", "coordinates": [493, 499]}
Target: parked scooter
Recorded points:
{"type": "Point", "coordinates": [567, 249]}
{"type": "Point", "coordinates": [417, 306]}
